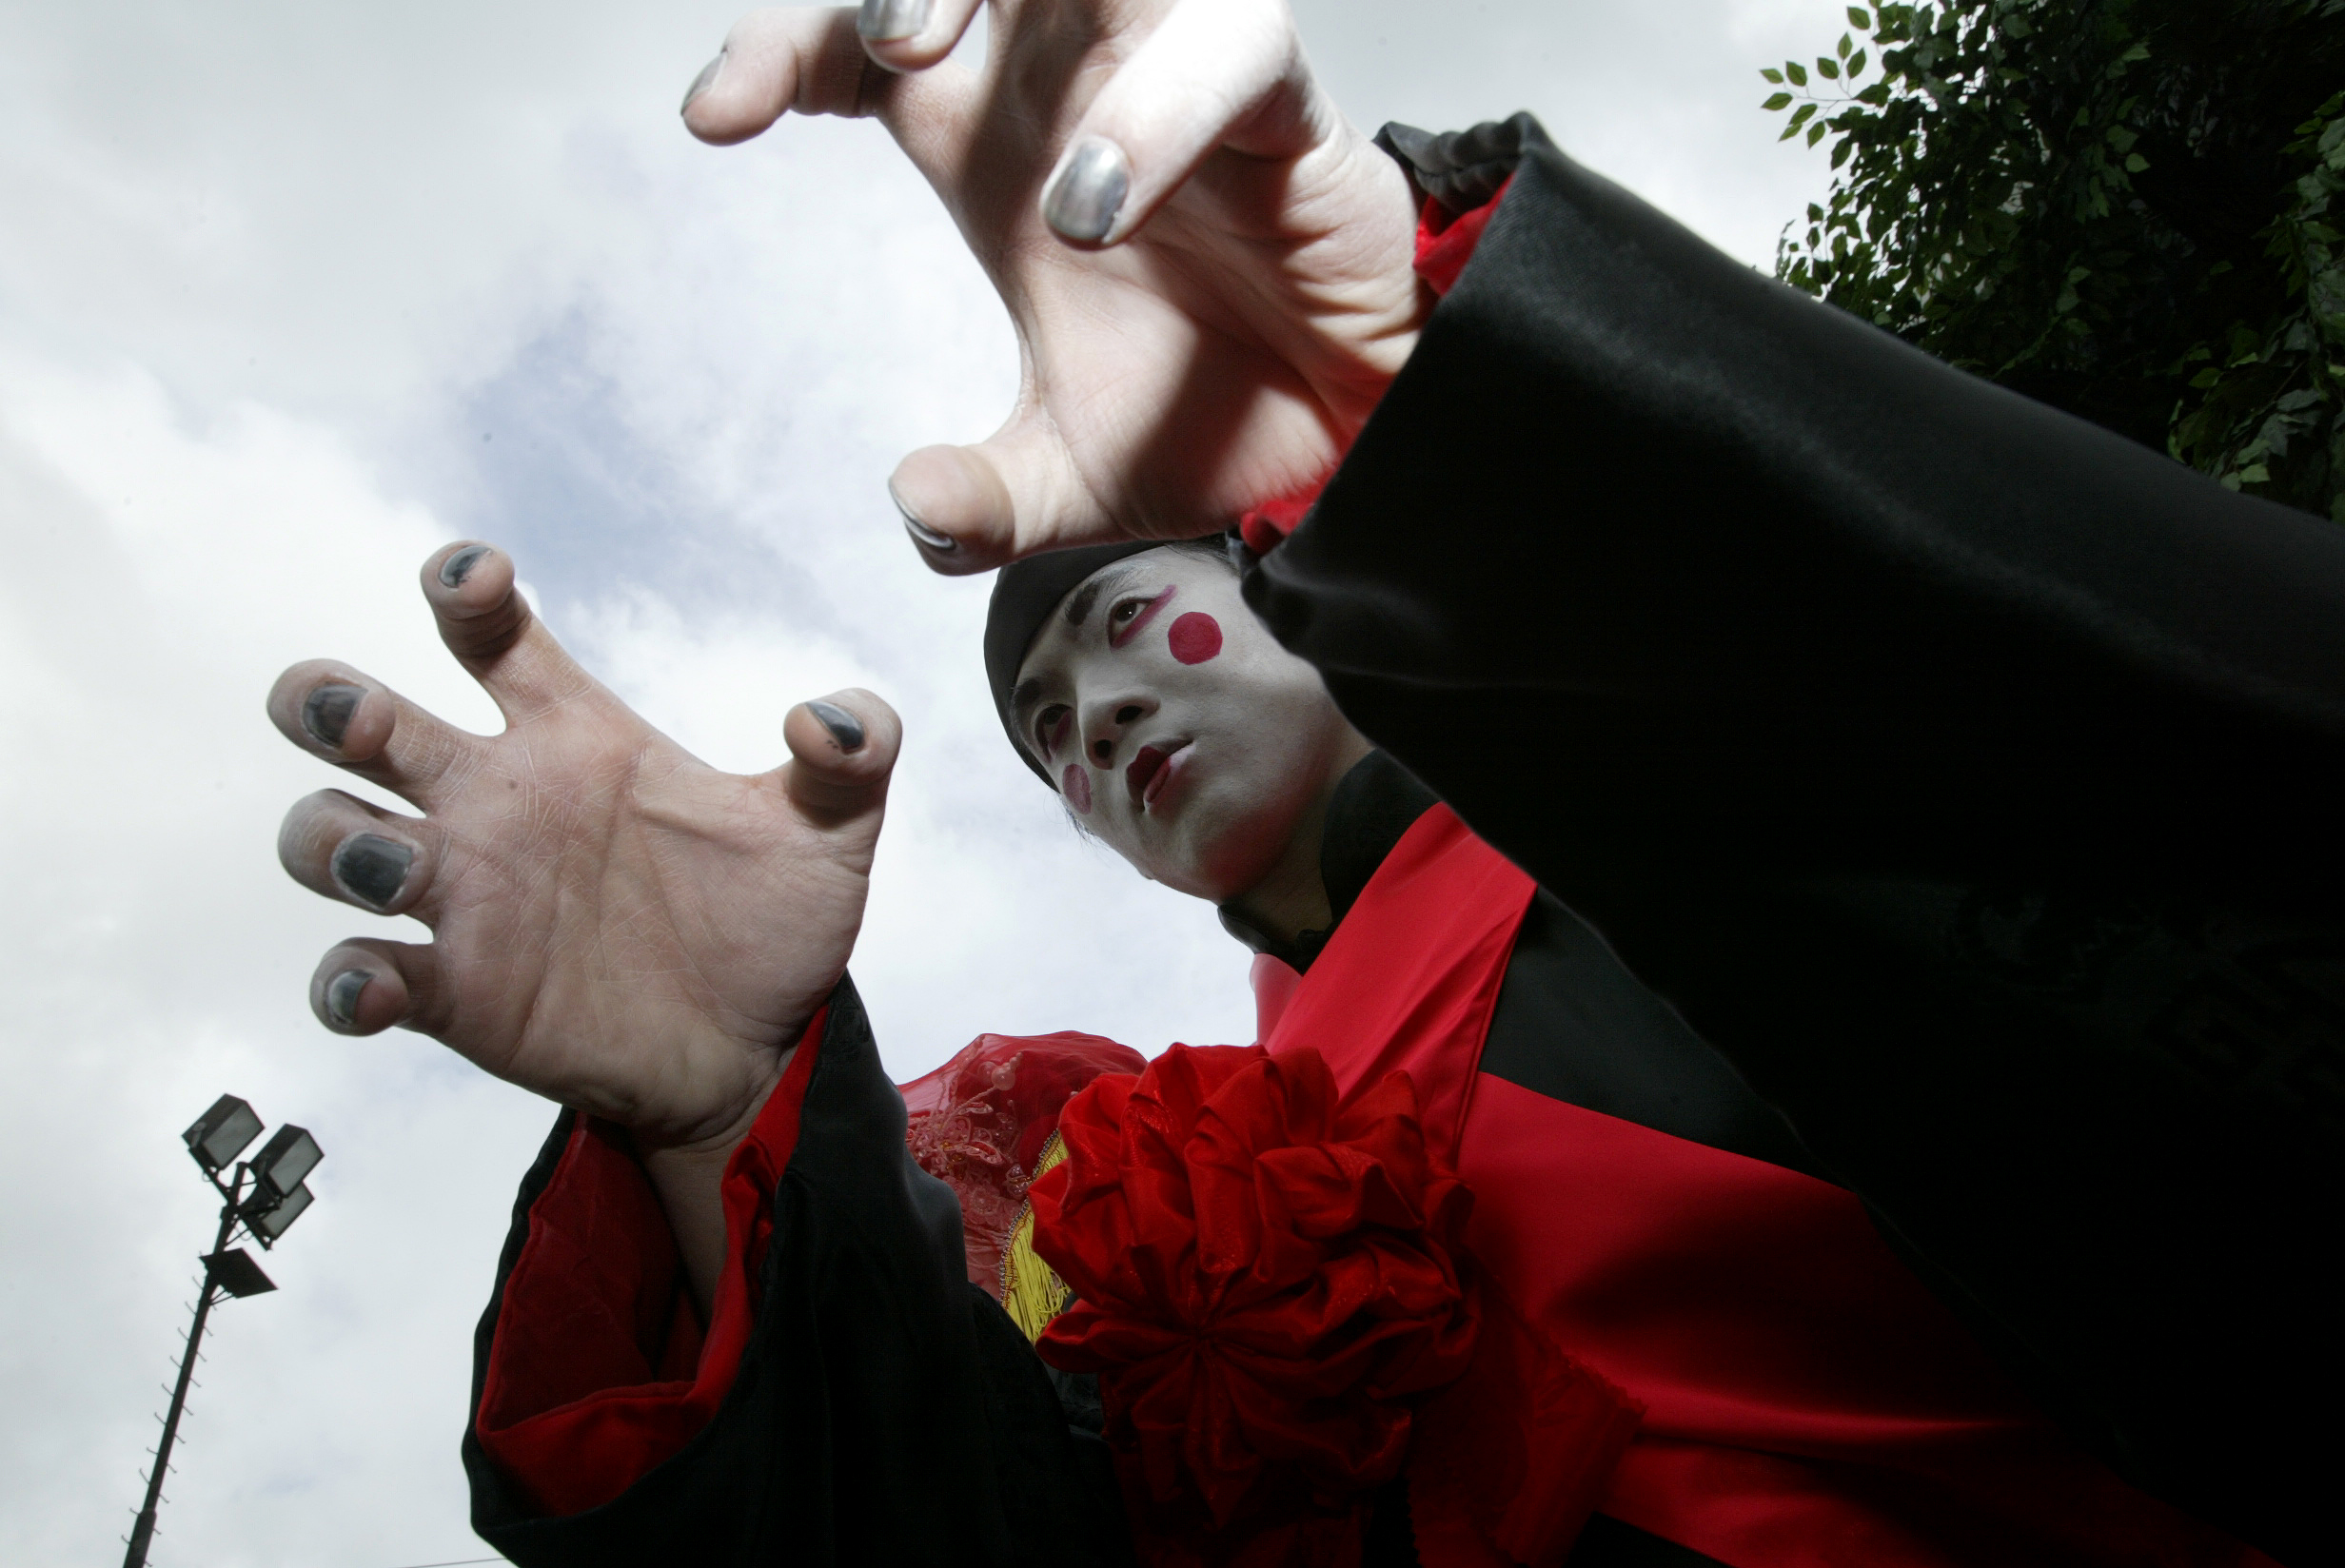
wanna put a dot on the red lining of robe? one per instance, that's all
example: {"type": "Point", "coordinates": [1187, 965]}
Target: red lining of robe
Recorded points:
{"type": "Point", "coordinates": [599, 1369]}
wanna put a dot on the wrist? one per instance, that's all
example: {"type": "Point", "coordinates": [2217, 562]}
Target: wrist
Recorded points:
{"type": "Point", "coordinates": [689, 1178]}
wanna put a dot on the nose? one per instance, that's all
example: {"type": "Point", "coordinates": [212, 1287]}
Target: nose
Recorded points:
{"type": "Point", "coordinates": [1106, 724]}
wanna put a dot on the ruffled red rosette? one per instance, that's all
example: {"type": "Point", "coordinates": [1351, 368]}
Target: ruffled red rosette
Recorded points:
{"type": "Point", "coordinates": [1268, 1281]}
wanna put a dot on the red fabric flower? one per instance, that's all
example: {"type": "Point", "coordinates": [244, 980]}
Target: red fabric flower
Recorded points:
{"type": "Point", "coordinates": [1266, 1281]}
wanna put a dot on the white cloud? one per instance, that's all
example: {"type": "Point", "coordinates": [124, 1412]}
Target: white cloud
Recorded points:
{"type": "Point", "coordinates": [290, 294]}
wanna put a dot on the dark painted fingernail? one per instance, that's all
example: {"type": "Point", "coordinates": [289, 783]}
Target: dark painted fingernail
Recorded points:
{"type": "Point", "coordinates": [372, 869]}
{"type": "Point", "coordinates": [459, 566]}
{"type": "Point", "coordinates": [342, 994]}
{"type": "Point", "coordinates": [845, 728]}
{"type": "Point", "coordinates": [944, 544]}
{"type": "Point", "coordinates": [705, 80]}
{"type": "Point", "coordinates": [885, 20]}
{"type": "Point", "coordinates": [326, 711]}
{"type": "Point", "coordinates": [1083, 200]}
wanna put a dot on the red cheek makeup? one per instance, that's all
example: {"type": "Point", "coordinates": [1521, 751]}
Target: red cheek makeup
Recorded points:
{"type": "Point", "coordinates": [1194, 637]}
{"type": "Point", "coordinates": [1076, 783]}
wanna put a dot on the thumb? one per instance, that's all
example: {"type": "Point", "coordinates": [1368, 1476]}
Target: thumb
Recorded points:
{"type": "Point", "coordinates": [842, 749]}
{"type": "Point", "coordinates": [973, 508]}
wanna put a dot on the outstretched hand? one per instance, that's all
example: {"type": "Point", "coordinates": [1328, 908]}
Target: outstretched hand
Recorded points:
{"type": "Point", "coordinates": [616, 925]}
{"type": "Point", "coordinates": [1208, 268]}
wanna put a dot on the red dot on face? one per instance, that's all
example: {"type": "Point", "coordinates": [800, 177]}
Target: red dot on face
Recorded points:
{"type": "Point", "coordinates": [1076, 783]}
{"type": "Point", "coordinates": [1194, 637]}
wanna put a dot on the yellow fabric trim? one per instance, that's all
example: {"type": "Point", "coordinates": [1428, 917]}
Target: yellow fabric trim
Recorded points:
{"type": "Point", "coordinates": [1030, 1290]}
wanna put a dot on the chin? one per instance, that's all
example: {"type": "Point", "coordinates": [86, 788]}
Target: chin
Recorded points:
{"type": "Point", "coordinates": [1241, 848]}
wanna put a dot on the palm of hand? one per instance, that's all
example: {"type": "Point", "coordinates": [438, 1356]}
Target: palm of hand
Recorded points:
{"type": "Point", "coordinates": [1231, 319]}
{"type": "Point", "coordinates": [617, 925]}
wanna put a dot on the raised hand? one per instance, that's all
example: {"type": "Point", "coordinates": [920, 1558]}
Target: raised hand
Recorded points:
{"type": "Point", "coordinates": [616, 925]}
{"type": "Point", "coordinates": [1209, 269]}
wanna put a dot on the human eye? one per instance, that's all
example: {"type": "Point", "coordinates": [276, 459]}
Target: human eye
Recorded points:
{"type": "Point", "coordinates": [1129, 613]}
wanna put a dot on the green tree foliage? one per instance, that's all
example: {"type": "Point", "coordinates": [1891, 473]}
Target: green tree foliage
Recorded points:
{"type": "Point", "coordinates": [2127, 208]}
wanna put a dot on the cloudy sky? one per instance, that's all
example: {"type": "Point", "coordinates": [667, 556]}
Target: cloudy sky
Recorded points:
{"type": "Point", "coordinates": [292, 292]}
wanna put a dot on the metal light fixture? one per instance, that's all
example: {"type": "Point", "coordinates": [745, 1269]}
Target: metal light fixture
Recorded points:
{"type": "Point", "coordinates": [264, 1195]}
{"type": "Point", "coordinates": [222, 1133]}
{"type": "Point", "coordinates": [284, 1161]}
{"type": "Point", "coordinates": [268, 1225]}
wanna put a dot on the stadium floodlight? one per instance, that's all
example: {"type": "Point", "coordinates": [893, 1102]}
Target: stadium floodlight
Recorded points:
{"type": "Point", "coordinates": [269, 1225]}
{"type": "Point", "coordinates": [283, 1162]}
{"type": "Point", "coordinates": [264, 1194]}
{"type": "Point", "coordinates": [222, 1133]}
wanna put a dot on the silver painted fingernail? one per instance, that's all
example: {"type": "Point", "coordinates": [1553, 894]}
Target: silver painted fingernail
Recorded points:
{"type": "Point", "coordinates": [845, 728]}
{"type": "Point", "coordinates": [888, 21]}
{"type": "Point", "coordinates": [342, 994]}
{"type": "Point", "coordinates": [1083, 199]}
{"type": "Point", "coordinates": [459, 566]}
{"type": "Point", "coordinates": [326, 711]}
{"type": "Point", "coordinates": [944, 544]}
{"type": "Point", "coordinates": [704, 81]}
{"type": "Point", "coordinates": [372, 869]}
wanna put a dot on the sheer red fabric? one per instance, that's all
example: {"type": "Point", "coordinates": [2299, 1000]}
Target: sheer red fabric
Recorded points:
{"type": "Point", "coordinates": [982, 1122]}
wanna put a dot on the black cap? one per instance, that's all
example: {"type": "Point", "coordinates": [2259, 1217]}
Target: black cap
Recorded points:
{"type": "Point", "coordinates": [1025, 593]}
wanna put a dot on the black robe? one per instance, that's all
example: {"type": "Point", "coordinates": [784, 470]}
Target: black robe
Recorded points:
{"type": "Point", "coordinates": [1957, 767]}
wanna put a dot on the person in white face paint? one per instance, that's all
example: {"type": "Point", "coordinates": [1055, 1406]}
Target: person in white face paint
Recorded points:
{"type": "Point", "coordinates": [1202, 754]}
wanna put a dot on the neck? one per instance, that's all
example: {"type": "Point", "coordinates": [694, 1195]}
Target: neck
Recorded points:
{"type": "Point", "coordinates": [1293, 897]}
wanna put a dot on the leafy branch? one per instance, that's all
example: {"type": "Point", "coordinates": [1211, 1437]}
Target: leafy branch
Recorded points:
{"type": "Point", "coordinates": [1842, 68]}
{"type": "Point", "coordinates": [2123, 208]}
{"type": "Point", "coordinates": [2268, 400]}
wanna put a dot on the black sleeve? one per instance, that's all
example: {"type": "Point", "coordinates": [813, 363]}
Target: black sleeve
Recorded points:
{"type": "Point", "coordinates": [1963, 772]}
{"type": "Point", "coordinates": [886, 1410]}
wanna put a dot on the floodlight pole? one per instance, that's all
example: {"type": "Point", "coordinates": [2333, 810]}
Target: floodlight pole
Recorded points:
{"type": "Point", "coordinates": [144, 1530]}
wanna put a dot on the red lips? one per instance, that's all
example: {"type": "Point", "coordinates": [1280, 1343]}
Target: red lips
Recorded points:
{"type": "Point", "coordinates": [1146, 775]}
{"type": "Point", "coordinates": [1141, 772]}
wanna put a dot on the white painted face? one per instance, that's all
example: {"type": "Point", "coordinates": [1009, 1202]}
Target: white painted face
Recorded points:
{"type": "Point", "coordinates": [1177, 728]}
